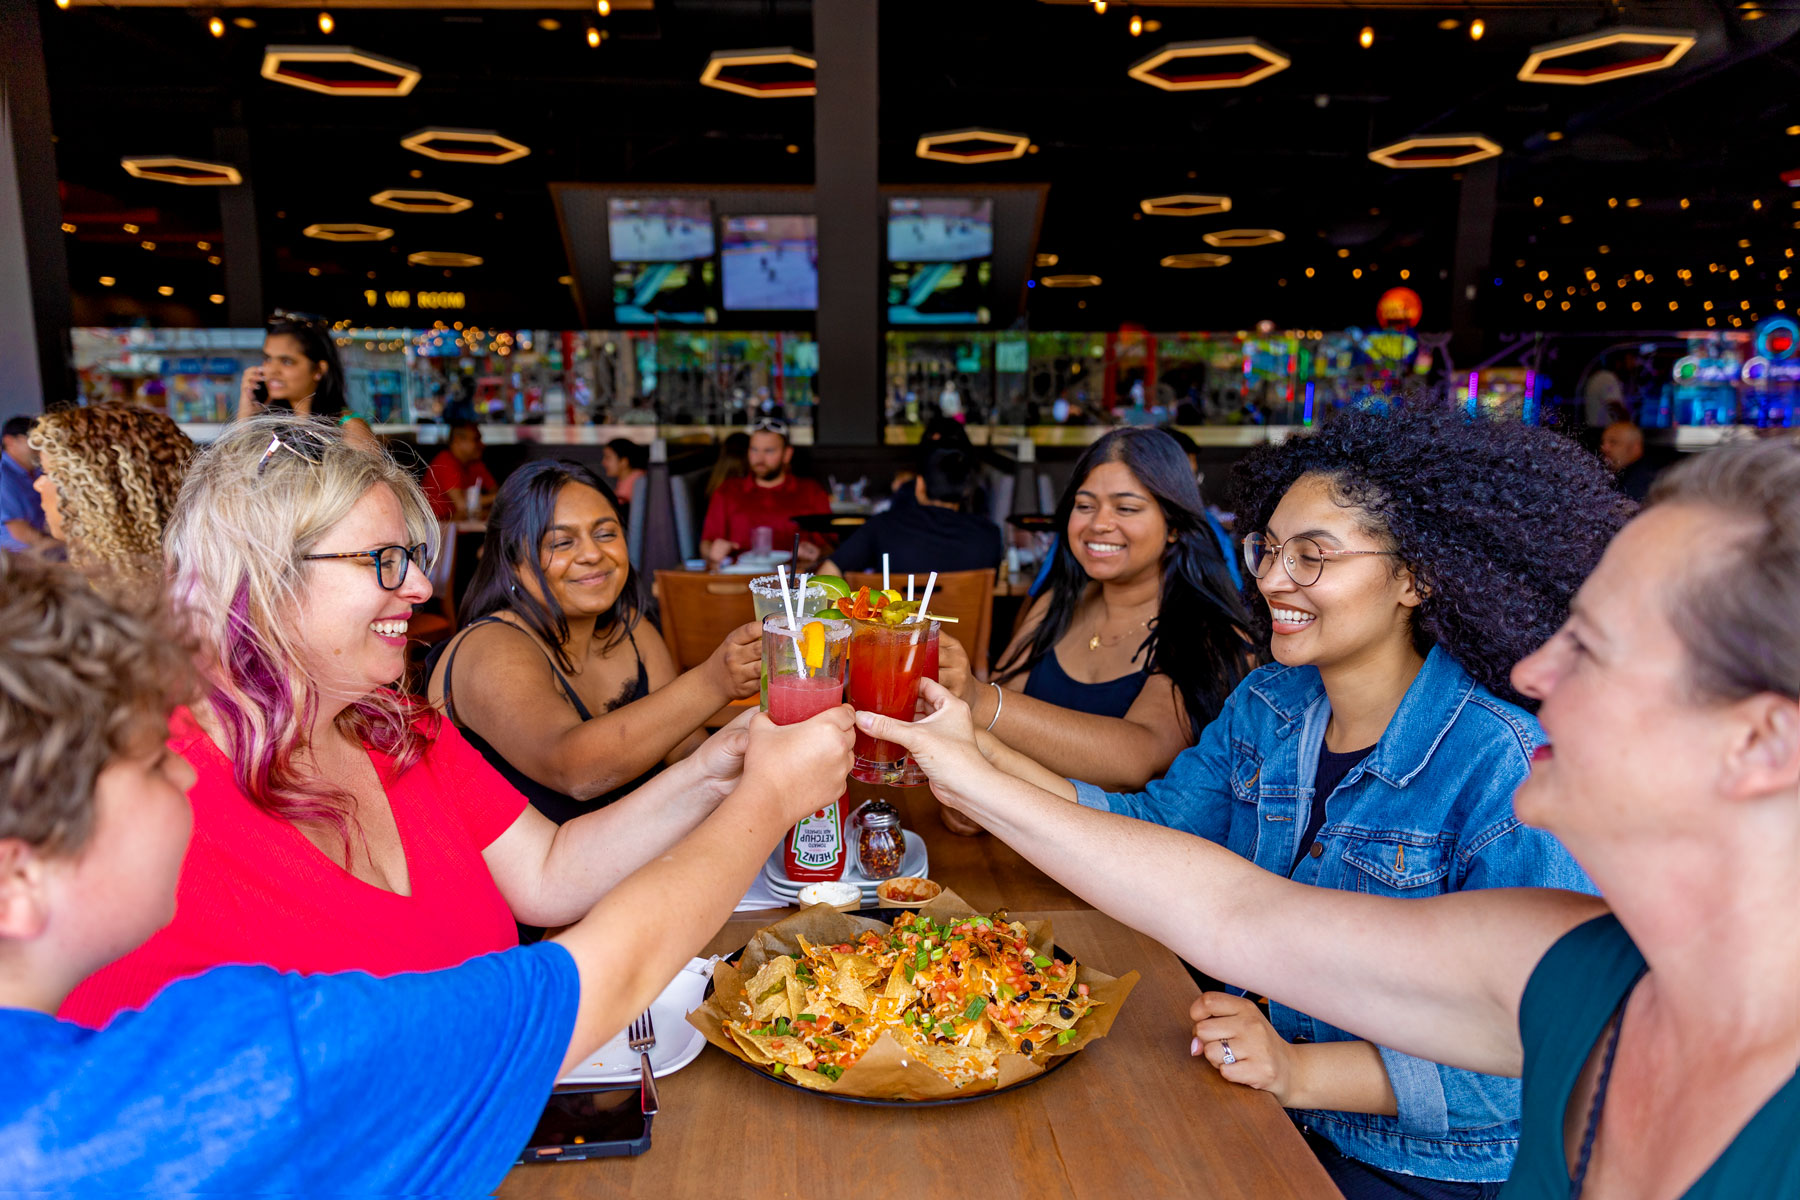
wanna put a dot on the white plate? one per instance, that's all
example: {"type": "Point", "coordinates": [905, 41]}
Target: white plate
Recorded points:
{"type": "Point", "coordinates": [677, 1042]}
{"type": "Point", "coordinates": [916, 862]}
{"type": "Point", "coordinates": [757, 564]}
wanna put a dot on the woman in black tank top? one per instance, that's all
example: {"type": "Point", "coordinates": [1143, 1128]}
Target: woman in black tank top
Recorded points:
{"type": "Point", "coordinates": [1138, 634]}
{"type": "Point", "coordinates": [548, 678]}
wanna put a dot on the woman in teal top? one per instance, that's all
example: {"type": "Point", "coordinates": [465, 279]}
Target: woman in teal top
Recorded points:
{"type": "Point", "coordinates": [1671, 700]}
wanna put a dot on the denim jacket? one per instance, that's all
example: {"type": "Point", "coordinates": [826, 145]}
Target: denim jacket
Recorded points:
{"type": "Point", "coordinates": [1428, 811]}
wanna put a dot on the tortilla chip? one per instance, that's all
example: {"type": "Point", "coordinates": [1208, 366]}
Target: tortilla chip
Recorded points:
{"type": "Point", "coordinates": [848, 990]}
{"type": "Point", "coordinates": [899, 989]}
{"type": "Point", "coordinates": [774, 1047]}
{"type": "Point", "coordinates": [796, 998]}
{"type": "Point", "coordinates": [954, 1062]}
{"type": "Point", "coordinates": [807, 1079]}
{"type": "Point", "coordinates": [768, 990]}
{"type": "Point", "coordinates": [748, 1045]}
{"type": "Point", "coordinates": [854, 965]}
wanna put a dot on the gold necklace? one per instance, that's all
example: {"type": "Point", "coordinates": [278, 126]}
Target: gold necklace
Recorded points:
{"type": "Point", "coordinates": [1094, 643]}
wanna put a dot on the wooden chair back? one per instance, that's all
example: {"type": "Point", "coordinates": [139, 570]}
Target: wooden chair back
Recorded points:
{"type": "Point", "coordinates": [966, 595]}
{"type": "Point", "coordinates": [698, 609]}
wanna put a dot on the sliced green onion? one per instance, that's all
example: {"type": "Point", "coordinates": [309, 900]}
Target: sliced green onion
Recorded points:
{"type": "Point", "coordinates": [1065, 1036]}
{"type": "Point", "coordinates": [975, 1007]}
{"type": "Point", "coordinates": [1040, 962]}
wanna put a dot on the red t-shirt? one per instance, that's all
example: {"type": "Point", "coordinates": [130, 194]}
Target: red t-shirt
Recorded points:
{"type": "Point", "coordinates": [739, 506]}
{"type": "Point", "coordinates": [448, 479]}
{"type": "Point", "coordinates": [254, 890]}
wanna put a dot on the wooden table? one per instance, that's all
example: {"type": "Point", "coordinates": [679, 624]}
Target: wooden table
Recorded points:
{"type": "Point", "coordinates": [1131, 1116]}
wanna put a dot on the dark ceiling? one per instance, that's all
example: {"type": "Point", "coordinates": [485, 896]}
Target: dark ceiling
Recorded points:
{"type": "Point", "coordinates": [1692, 155]}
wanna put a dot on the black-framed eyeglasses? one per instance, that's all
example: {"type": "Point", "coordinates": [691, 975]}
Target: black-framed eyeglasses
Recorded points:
{"type": "Point", "coordinates": [390, 562]}
{"type": "Point", "coordinates": [1302, 557]}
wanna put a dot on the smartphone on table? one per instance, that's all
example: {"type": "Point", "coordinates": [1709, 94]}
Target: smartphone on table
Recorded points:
{"type": "Point", "coordinates": [589, 1124]}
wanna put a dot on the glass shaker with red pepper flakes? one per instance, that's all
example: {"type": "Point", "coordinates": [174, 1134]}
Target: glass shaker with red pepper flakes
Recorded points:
{"type": "Point", "coordinates": [880, 842]}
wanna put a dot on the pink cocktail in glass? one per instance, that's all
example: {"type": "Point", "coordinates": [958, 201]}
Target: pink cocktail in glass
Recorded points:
{"type": "Point", "coordinates": [804, 667]}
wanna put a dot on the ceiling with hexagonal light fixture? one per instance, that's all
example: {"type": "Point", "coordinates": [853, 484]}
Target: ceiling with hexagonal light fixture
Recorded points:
{"type": "Point", "coordinates": [1647, 136]}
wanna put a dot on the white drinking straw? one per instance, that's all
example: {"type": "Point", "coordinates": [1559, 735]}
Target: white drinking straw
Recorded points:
{"type": "Point", "coordinates": [885, 585]}
{"type": "Point", "coordinates": [787, 602]}
{"type": "Point", "coordinates": [925, 604]}
{"type": "Point", "coordinates": [909, 586]}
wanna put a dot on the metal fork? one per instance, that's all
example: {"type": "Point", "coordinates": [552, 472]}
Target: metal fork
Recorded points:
{"type": "Point", "coordinates": [642, 1039]}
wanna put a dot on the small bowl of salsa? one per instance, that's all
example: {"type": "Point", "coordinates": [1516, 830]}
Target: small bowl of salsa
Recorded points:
{"type": "Point", "coordinates": [908, 891]}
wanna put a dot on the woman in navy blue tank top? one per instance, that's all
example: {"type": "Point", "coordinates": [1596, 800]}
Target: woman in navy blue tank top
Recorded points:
{"type": "Point", "coordinates": [1137, 636]}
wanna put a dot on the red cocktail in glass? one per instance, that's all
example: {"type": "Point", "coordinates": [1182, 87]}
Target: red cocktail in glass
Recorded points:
{"type": "Point", "coordinates": [910, 775]}
{"type": "Point", "coordinates": [886, 662]}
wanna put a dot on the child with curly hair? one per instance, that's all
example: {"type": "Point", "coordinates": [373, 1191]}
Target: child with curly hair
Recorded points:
{"type": "Point", "coordinates": [1402, 564]}
{"type": "Point", "coordinates": [111, 476]}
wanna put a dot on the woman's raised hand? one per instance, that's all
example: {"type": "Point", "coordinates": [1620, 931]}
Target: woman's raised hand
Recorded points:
{"type": "Point", "coordinates": [943, 743]}
{"type": "Point", "coordinates": [719, 762]}
{"type": "Point", "coordinates": [805, 764]}
{"type": "Point", "coordinates": [736, 666]}
{"type": "Point", "coordinates": [248, 402]}
{"type": "Point", "coordinates": [955, 671]}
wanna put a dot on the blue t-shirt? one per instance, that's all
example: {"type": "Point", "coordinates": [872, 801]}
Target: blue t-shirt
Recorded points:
{"type": "Point", "coordinates": [248, 1080]}
{"type": "Point", "coordinates": [18, 502]}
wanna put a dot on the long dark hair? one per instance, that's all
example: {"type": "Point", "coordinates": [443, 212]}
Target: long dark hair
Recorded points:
{"type": "Point", "coordinates": [1499, 522]}
{"type": "Point", "coordinates": [523, 512]}
{"type": "Point", "coordinates": [1202, 647]}
{"type": "Point", "coordinates": [314, 335]}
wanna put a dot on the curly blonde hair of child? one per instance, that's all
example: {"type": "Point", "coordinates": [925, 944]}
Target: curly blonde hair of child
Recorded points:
{"type": "Point", "coordinates": [117, 469]}
{"type": "Point", "coordinates": [84, 681]}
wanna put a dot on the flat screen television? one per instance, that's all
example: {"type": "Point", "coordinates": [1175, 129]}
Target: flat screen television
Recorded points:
{"type": "Point", "coordinates": [940, 260]}
{"type": "Point", "coordinates": [659, 229]}
{"type": "Point", "coordinates": [662, 255]}
{"type": "Point", "coordinates": [770, 263]}
{"type": "Point", "coordinates": [951, 229]}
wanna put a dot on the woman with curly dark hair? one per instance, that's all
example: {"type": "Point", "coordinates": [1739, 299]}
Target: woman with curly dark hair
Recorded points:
{"type": "Point", "coordinates": [1402, 565]}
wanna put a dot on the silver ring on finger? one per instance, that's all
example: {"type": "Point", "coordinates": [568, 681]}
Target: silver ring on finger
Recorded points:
{"type": "Point", "coordinates": [1226, 1056]}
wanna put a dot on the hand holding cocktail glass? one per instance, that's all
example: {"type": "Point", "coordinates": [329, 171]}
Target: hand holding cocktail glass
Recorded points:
{"type": "Point", "coordinates": [942, 743]}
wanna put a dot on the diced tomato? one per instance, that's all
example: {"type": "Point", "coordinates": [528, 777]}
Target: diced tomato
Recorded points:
{"type": "Point", "coordinates": [1081, 990]}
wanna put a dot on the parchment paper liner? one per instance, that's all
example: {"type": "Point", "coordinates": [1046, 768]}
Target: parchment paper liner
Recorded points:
{"type": "Point", "coordinates": [885, 1072]}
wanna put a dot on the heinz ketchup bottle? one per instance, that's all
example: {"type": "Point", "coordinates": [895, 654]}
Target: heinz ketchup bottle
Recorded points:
{"type": "Point", "coordinates": [814, 851]}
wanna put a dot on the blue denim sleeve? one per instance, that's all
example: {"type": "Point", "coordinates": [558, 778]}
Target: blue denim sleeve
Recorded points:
{"type": "Point", "coordinates": [430, 1082]}
{"type": "Point", "coordinates": [1194, 796]}
{"type": "Point", "coordinates": [1434, 1099]}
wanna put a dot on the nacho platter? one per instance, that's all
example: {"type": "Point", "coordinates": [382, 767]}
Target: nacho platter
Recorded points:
{"type": "Point", "coordinates": [941, 1005]}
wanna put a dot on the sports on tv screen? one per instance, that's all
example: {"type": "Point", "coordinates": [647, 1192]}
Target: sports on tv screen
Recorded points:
{"type": "Point", "coordinates": [659, 229]}
{"type": "Point", "coordinates": [957, 229]}
{"type": "Point", "coordinates": [679, 293]}
{"type": "Point", "coordinates": [771, 263]}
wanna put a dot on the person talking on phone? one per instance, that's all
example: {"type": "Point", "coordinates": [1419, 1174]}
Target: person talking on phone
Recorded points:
{"type": "Point", "coordinates": [301, 372]}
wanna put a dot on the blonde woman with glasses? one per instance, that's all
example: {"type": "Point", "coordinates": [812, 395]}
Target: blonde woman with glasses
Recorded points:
{"type": "Point", "coordinates": [338, 824]}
